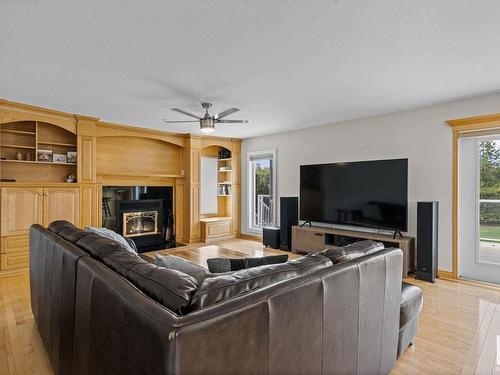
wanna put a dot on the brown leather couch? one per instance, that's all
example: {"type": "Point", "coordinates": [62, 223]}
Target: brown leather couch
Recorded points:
{"type": "Point", "coordinates": [341, 319]}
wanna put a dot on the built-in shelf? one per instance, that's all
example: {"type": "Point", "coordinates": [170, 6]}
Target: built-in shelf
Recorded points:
{"type": "Point", "coordinates": [54, 163]}
{"type": "Point", "coordinates": [17, 161]}
{"type": "Point", "coordinates": [57, 144]}
{"type": "Point", "coordinates": [224, 170]}
{"type": "Point", "coordinates": [223, 195]}
{"type": "Point", "coordinates": [226, 159]}
{"type": "Point", "coordinates": [11, 131]}
{"type": "Point", "coordinates": [19, 146]}
{"type": "Point", "coordinates": [26, 137]}
{"type": "Point", "coordinates": [34, 162]}
{"type": "Point", "coordinates": [224, 183]}
{"type": "Point", "coordinates": [127, 174]}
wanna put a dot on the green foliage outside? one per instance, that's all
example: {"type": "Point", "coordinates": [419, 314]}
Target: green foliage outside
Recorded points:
{"type": "Point", "coordinates": [489, 233]}
{"type": "Point", "coordinates": [262, 180]}
{"type": "Point", "coordinates": [489, 163]}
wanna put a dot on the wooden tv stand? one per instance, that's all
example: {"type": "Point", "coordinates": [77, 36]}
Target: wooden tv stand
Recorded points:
{"type": "Point", "coordinates": [315, 239]}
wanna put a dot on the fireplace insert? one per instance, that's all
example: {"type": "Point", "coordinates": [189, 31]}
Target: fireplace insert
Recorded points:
{"type": "Point", "coordinates": [140, 223]}
{"type": "Point", "coordinates": [142, 213]}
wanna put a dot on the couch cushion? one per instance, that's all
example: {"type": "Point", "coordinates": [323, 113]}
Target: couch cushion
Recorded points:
{"type": "Point", "coordinates": [310, 263]}
{"type": "Point", "coordinates": [67, 231]}
{"type": "Point", "coordinates": [73, 235]}
{"type": "Point", "coordinates": [59, 225]}
{"type": "Point", "coordinates": [172, 262]}
{"type": "Point", "coordinates": [412, 301]}
{"type": "Point", "coordinates": [172, 288]}
{"type": "Point", "coordinates": [352, 251]}
{"type": "Point", "coordinates": [219, 265]}
{"type": "Point", "coordinates": [219, 288]}
{"type": "Point", "coordinates": [99, 246]}
{"type": "Point", "coordinates": [108, 233]}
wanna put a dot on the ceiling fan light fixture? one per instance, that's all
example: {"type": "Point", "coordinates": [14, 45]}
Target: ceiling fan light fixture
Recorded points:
{"type": "Point", "coordinates": [207, 125]}
{"type": "Point", "coordinates": [207, 122]}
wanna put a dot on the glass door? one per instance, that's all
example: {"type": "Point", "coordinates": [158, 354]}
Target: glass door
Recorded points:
{"type": "Point", "coordinates": [489, 201]}
{"type": "Point", "coordinates": [479, 208]}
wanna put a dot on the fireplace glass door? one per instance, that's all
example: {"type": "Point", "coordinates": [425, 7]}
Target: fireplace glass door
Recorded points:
{"type": "Point", "coordinates": [141, 223]}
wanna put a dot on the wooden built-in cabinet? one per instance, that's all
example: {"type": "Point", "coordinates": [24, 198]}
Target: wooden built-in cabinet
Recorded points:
{"type": "Point", "coordinates": [309, 239]}
{"type": "Point", "coordinates": [216, 228]}
{"type": "Point", "coordinates": [61, 204]}
{"type": "Point", "coordinates": [22, 207]}
{"type": "Point", "coordinates": [34, 191]}
{"type": "Point", "coordinates": [224, 223]}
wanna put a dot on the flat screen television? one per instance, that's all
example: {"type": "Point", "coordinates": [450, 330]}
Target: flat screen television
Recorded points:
{"type": "Point", "coordinates": [366, 193]}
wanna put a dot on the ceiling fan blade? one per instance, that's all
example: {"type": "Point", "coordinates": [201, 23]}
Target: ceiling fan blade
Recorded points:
{"type": "Point", "coordinates": [233, 121]}
{"type": "Point", "coordinates": [225, 113]}
{"type": "Point", "coordinates": [173, 122]}
{"type": "Point", "coordinates": [185, 113]}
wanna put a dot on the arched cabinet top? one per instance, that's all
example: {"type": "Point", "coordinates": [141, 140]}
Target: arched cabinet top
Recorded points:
{"type": "Point", "coordinates": [219, 142]}
{"type": "Point", "coordinates": [112, 130]}
{"type": "Point", "coordinates": [11, 112]}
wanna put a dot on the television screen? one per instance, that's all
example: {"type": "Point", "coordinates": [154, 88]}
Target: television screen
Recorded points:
{"type": "Point", "coordinates": [368, 193]}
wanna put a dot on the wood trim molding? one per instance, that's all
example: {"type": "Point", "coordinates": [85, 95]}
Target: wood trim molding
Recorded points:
{"type": "Point", "coordinates": [454, 240]}
{"type": "Point", "coordinates": [458, 126]}
{"type": "Point", "coordinates": [251, 237]}
{"type": "Point", "coordinates": [475, 121]}
{"type": "Point", "coordinates": [445, 274]}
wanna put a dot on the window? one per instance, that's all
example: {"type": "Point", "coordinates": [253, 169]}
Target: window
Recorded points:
{"type": "Point", "coordinates": [208, 186]}
{"type": "Point", "coordinates": [261, 185]}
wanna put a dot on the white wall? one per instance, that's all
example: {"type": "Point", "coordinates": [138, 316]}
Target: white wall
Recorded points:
{"type": "Point", "coordinates": [421, 135]}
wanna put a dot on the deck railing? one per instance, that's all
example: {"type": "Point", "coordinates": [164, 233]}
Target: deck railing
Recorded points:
{"type": "Point", "coordinates": [264, 212]}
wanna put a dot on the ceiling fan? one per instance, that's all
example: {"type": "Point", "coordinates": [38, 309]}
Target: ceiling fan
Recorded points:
{"type": "Point", "coordinates": [207, 122]}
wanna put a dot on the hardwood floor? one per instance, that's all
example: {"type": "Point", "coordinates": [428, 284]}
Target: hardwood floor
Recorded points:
{"type": "Point", "coordinates": [458, 333]}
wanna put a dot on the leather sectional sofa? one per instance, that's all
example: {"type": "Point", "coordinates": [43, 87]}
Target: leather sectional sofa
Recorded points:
{"type": "Point", "coordinates": [98, 312]}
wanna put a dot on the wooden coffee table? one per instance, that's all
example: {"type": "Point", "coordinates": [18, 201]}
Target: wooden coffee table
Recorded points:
{"type": "Point", "coordinates": [238, 248]}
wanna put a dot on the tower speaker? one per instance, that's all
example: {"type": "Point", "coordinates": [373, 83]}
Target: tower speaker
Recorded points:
{"type": "Point", "coordinates": [427, 240]}
{"type": "Point", "coordinates": [289, 216]}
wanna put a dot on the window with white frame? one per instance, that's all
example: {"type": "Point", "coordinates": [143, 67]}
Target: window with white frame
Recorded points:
{"type": "Point", "coordinates": [261, 187]}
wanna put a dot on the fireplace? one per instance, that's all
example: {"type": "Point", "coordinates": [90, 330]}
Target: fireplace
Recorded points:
{"type": "Point", "coordinates": [143, 214]}
{"type": "Point", "coordinates": [142, 223]}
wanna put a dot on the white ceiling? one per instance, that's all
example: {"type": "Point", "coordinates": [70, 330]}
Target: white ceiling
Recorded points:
{"type": "Point", "coordinates": [285, 64]}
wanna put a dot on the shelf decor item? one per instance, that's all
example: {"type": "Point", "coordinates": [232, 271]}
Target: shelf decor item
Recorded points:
{"type": "Point", "coordinates": [70, 178]}
{"type": "Point", "coordinates": [19, 156]}
{"type": "Point", "coordinates": [60, 158]}
{"type": "Point", "coordinates": [44, 155]}
{"type": "Point", "coordinates": [71, 156]}
{"type": "Point", "coordinates": [224, 154]}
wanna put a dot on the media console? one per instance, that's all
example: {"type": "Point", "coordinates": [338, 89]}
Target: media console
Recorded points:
{"type": "Point", "coordinates": [315, 239]}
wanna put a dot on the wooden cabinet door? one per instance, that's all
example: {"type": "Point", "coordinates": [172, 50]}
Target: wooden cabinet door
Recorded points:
{"type": "Point", "coordinates": [21, 207]}
{"type": "Point", "coordinates": [306, 240]}
{"type": "Point", "coordinates": [61, 204]}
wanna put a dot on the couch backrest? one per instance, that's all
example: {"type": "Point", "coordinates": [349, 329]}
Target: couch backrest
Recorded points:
{"type": "Point", "coordinates": [340, 319]}
{"type": "Point", "coordinates": [343, 319]}
{"type": "Point", "coordinates": [53, 264]}
{"type": "Point", "coordinates": [118, 329]}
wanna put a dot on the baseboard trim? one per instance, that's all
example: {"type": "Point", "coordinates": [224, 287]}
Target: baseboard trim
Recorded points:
{"type": "Point", "coordinates": [445, 274]}
{"type": "Point", "coordinates": [252, 237]}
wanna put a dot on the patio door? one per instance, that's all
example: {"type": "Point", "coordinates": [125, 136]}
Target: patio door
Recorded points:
{"type": "Point", "coordinates": [479, 208]}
